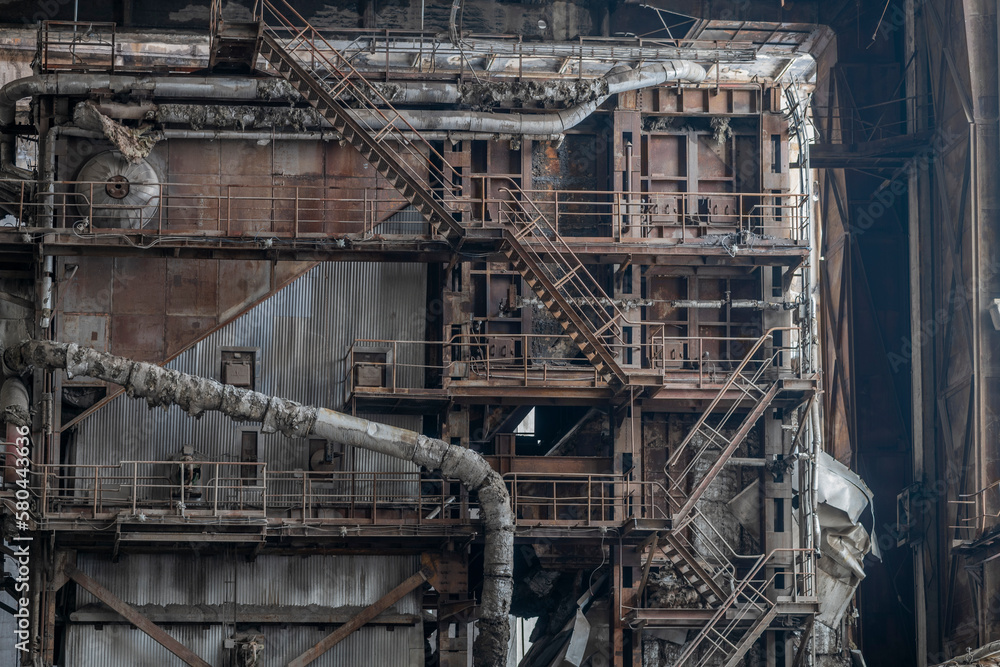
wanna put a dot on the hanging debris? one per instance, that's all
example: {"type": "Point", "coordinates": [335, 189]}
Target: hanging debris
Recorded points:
{"type": "Point", "coordinates": [133, 143]}
{"type": "Point", "coordinates": [721, 132]}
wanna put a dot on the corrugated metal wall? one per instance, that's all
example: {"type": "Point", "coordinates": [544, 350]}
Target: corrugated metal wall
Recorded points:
{"type": "Point", "coordinates": [326, 581]}
{"type": "Point", "coordinates": [304, 333]}
{"type": "Point", "coordinates": [123, 646]}
{"type": "Point", "coordinates": [189, 579]}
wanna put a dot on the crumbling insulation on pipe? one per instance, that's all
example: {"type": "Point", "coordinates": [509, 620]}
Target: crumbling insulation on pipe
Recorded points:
{"type": "Point", "coordinates": [620, 79]}
{"type": "Point", "coordinates": [134, 144]}
{"type": "Point", "coordinates": [753, 304]}
{"type": "Point", "coordinates": [14, 403]}
{"type": "Point", "coordinates": [589, 96]}
{"type": "Point", "coordinates": [162, 387]}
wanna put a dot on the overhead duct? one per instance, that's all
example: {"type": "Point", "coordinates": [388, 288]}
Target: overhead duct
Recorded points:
{"type": "Point", "coordinates": [500, 91]}
{"type": "Point", "coordinates": [618, 80]}
{"type": "Point", "coordinates": [197, 87]}
{"type": "Point", "coordinates": [162, 387]}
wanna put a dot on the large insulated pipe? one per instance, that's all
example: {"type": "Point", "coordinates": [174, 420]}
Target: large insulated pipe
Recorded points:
{"type": "Point", "coordinates": [83, 84]}
{"type": "Point", "coordinates": [618, 80]}
{"type": "Point", "coordinates": [755, 304]}
{"type": "Point", "coordinates": [14, 413]}
{"type": "Point", "coordinates": [14, 403]}
{"type": "Point", "coordinates": [196, 395]}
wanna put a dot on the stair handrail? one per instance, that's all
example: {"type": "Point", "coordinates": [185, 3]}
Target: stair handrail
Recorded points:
{"type": "Point", "coordinates": [722, 392]}
{"type": "Point", "coordinates": [558, 247]}
{"type": "Point", "coordinates": [740, 589]}
{"type": "Point", "coordinates": [359, 93]}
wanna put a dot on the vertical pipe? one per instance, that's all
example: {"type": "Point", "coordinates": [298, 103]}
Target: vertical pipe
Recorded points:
{"type": "Point", "coordinates": [981, 36]}
{"type": "Point", "coordinates": [916, 360]}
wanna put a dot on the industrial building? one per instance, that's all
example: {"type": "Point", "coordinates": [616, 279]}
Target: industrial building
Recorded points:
{"type": "Point", "coordinates": [480, 333]}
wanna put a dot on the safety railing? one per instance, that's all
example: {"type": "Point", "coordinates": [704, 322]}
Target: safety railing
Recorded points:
{"type": "Point", "coordinates": [76, 46]}
{"type": "Point", "coordinates": [754, 380]}
{"type": "Point", "coordinates": [538, 243]}
{"type": "Point", "coordinates": [985, 506]}
{"type": "Point", "coordinates": [656, 216]}
{"type": "Point", "coordinates": [583, 500]}
{"type": "Point", "coordinates": [376, 498]}
{"type": "Point", "coordinates": [715, 359]}
{"type": "Point", "coordinates": [355, 205]}
{"type": "Point", "coordinates": [782, 576]}
{"type": "Point", "coordinates": [214, 486]}
{"type": "Point", "coordinates": [366, 205]}
{"type": "Point", "coordinates": [396, 367]}
{"type": "Point", "coordinates": [718, 557]}
{"type": "Point", "coordinates": [227, 489]}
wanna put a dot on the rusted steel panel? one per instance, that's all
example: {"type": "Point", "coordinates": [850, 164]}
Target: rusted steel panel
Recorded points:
{"type": "Point", "coordinates": [85, 329]}
{"type": "Point", "coordinates": [182, 330]}
{"type": "Point", "coordinates": [89, 291]}
{"type": "Point", "coordinates": [240, 158]}
{"type": "Point", "coordinates": [194, 156]}
{"type": "Point", "coordinates": [195, 206]}
{"type": "Point", "coordinates": [248, 205]}
{"type": "Point", "coordinates": [242, 283]}
{"type": "Point", "coordinates": [138, 336]}
{"type": "Point", "coordinates": [299, 158]}
{"type": "Point", "coordinates": [714, 162]}
{"type": "Point", "coordinates": [134, 278]}
{"type": "Point", "coordinates": [343, 160]}
{"type": "Point", "coordinates": [191, 287]}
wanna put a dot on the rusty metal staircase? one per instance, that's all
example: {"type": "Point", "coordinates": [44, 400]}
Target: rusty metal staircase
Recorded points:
{"type": "Point", "coordinates": [569, 291]}
{"type": "Point", "coordinates": [697, 557]}
{"type": "Point", "coordinates": [749, 384]}
{"type": "Point", "coordinates": [567, 288]}
{"type": "Point", "coordinates": [748, 612]}
{"type": "Point", "coordinates": [322, 75]}
{"type": "Point", "coordinates": [234, 44]}
{"type": "Point", "coordinates": [690, 568]}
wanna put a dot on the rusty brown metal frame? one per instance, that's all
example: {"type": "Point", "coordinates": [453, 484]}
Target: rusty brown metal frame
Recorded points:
{"type": "Point", "coordinates": [49, 43]}
{"type": "Point", "coordinates": [749, 602]}
{"type": "Point", "coordinates": [196, 210]}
